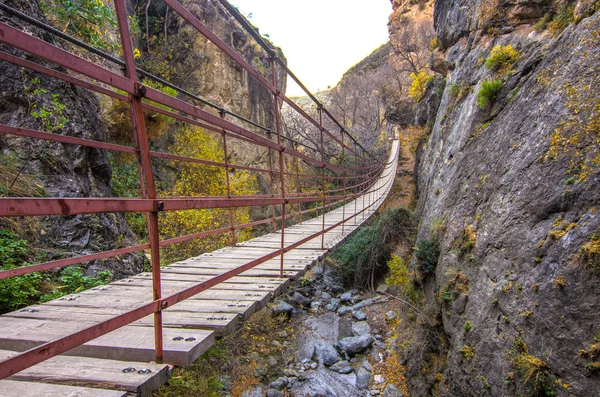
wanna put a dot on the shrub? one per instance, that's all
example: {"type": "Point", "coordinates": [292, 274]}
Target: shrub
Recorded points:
{"type": "Point", "coordinates": [419, 85]}
{"type": "Point", "coordinates": [363, 258]}
{"type": "Point", "coordinates": [458, 284]}
{"type": "Point", "coordinates": [560, 282]}
{"type": "Point", "coordinates": [19, 291]}
{"type": "Point", "coordinates": [542, 24]}
{"type": "Point", "coordinates": [399, 275]}
{"type": "Point", "coordinates": [468, 326]}
{"type": "Point", "coordinates": [488, 92]}
{"type": "Point", "coordinates": [434, 44]}
{"type": "Point", "coordinates": [197, 179]}
{"type": "Point", "coordinates": [427, 255]}
{"type": "Point", "coordinates": [501, 59]}
{"type": "Point", "coordinates": [88, 20]}
{"type": "Point", "coordinates": [402, 278]}
{"type": "Point", "coordinates": [533, 371]}
{"type": "Point", "coordinates": [590, 253]}
{"type": "Point", "coordinates": [467, 239]}
{"type": "Point", "coordinates": [468, 352]}
{"type": "Point", "coordinates": [591, 355]}
{"type": "Point", "coordinates": [563, 18]}
{"type": "Point", "coordinates": [454, 90]}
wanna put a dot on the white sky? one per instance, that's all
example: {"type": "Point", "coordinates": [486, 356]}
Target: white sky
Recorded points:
{"type": "Point", "coordinates": [320, 38]}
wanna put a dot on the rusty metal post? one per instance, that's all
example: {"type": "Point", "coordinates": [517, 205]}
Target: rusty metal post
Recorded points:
{"type": "Point", "coordinates": [281, 162]}
{"type": "Point", "coordinates": [146, 177]}
{"type": "Point", "coordinates": [273, 214]}
{"type": "Point", "coordinates": [298, 188]}
{"type": "Point", "coordinates": [363, 204]}
{"type": "Point", "coordinates": [344, 181]}
{"type": "Point", "coordinates": [322, 173]}
{"type": "Point", "coordinates": [226, 161]}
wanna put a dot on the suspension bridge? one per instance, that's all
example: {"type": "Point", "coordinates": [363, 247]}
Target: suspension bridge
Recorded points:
{"type": "Point", "coordinates": [122, 338]}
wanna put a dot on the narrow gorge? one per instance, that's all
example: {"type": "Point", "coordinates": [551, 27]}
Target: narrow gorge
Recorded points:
{"type": "Point", "coordinates": [479, 275]}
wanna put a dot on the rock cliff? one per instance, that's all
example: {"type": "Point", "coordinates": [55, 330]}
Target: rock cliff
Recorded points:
{"type": "Point", "coordinates": [34, 101]}
{"type": "Point", "coordinates": [509, 191]}
{"type": "Point", "coordinates": [179, 54]}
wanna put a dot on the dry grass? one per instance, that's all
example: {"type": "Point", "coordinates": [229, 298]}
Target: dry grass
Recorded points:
{"type": "Point", "coordinates": [235, 357]}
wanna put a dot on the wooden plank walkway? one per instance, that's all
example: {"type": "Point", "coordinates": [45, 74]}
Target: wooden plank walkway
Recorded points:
{"type": "Point", "coordinates": [105, 366]}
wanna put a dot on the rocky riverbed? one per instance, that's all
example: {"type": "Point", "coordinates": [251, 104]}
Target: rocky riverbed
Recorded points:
{"type": "Point", "coordinates": [344, 343]}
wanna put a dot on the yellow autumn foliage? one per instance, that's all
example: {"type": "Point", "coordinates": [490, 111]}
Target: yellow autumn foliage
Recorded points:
{"type": "Point", "coordinates": [198, 180]}
{"type": "Point", "coordinates": [419, 85]}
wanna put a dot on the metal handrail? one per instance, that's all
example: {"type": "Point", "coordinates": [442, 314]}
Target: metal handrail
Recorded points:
{"type": "Point", "coordinates": [357, 180]}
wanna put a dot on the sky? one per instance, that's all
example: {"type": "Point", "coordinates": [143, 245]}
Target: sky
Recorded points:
{"type": "Point", "coordinates": [321, 39]}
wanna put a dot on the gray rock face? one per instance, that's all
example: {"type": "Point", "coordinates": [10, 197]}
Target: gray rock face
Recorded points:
{"type": "Point", "coordinates": [254, 392]}
{"type": "Point", "coordinates": [354, 344]}
{"type": "Point", "coordinates": [325, 353]}
{"type": "Point", "coordinates": [342, 367]}
{"type": "Point", "coordinates": [62, 170]}
{"type": "Point", "coordinates": [274, 393]}
{"type": "Point", "coordinates": [489, 168]}
{"type": "Point", "coordinates": [363, 378]}
{"type": "Point", "coordinates": [426, 109]}
{"type": "Point", "coordinates": [454, 19]}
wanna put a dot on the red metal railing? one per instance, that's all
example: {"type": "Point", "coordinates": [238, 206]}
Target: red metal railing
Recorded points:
{"type": "Point", "coordinates": [353, 174]}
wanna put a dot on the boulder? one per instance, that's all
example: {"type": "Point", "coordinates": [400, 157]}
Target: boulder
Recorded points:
{"type": "Point", "coordinates": [344, 309]}
{"type": "Point", "coordinates": [363, 378]}
{"type": "Point", "coordinates": [342, 367]}
{"type": "Point", "coordinates": [346, 297]}
{"type": "Point", "coordinates": [282, 307]}
{"type": "Point", "coordinates": [354, 344]}
{"type": "Point", "coordinates": [361, 328]}
{"type": "Point", "coordinates": [279, 383]}
{"type": "Point", "coordinates": [300, 299]}
{"type": "Point", "coordinates": [325, 353]}
{"type": "Point", "coordinates": [360, 316]}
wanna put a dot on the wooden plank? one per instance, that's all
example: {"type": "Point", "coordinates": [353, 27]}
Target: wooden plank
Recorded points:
{"type": "Point", "coordinates": [174, 317]}
{"type": "Point", "coordinates": [215, 272]}
{"type": "Point", "coordinates": [180, 285]}
{"type": "Point", "coordinates": [250, 252]}
{"type": "Point", "coordinates": [96, 373]}
{"type": "Point", "coordinates": [131, 343]}
{"type": "Point", "coordinates": [12, 388]}
{"type": "Point", "coordinates": [244, 308]}
{"type": "Point", "coordinates": [228, 263]}
{"type": "Point", "coordinates": [114, 291]}
{"type": "Point", "coordinates": [282, 283]}
{"type": "Point", "coordinates": [221, 323]}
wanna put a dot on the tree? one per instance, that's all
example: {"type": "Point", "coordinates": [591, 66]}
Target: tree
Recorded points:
{"type": "Point", "coordinates": [197, 180]}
